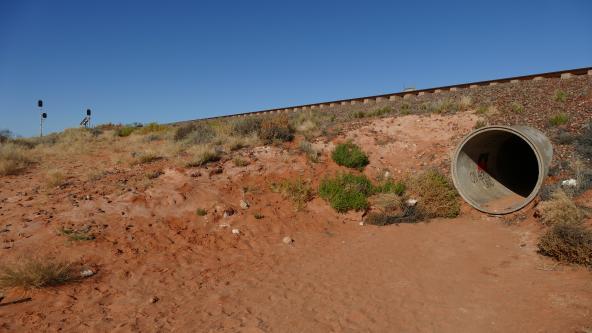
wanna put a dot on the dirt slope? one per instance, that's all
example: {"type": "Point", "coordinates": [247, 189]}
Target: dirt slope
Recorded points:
{"type": "Point", "coordinates": [473, 273]}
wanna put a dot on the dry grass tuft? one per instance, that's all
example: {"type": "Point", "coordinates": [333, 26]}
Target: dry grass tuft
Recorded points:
{"type": "Point", "coordinates": [36, 273]}
{"type": "Point", "coordinates": [146, 157]}
{"type": "Point", "coordinates": [203, 155]}
{"type": "Point", "coordinates": [13, 159]}
{"type": "Point", "coordinates": [570, 243]}
{"type": "Point", "coordinates": [560, 209]}
{"type": "Point", "coordinates": [55, 178]}
{"type": "Point", "coordinates": [299, 191]}
{"type": "Point", "coordinates": [436, 195]}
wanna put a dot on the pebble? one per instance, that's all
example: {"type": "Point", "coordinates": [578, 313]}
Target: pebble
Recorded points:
{"type": "Point", "coordinates": [411, 202]}
{"type": "Point", "coordinates": [244, 204]}
{"type": "Point", "coordinates": [235, 231]}
{"type": "Point", "coordinates": [87, 273]}
{"type": "Point", "coordinates": [154, 299]}
{"type": "Point", "coordinates": [361, 223]}
{"type": "Point", "coordinates": [569, 182]}
{"type": "Point", "coordinates": [228, 212]}
{"type": "Point", "coordinates": [288, 240]}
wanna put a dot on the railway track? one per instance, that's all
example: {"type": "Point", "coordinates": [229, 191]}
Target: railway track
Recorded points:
{"type": "Point", "coordinates": [564, 74]}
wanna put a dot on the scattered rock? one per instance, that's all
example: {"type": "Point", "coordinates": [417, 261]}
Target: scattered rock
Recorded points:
{"type": "Point", "coordinates": [216, 171]}
{"type": "Point", "coordinates": [411, 202]}
{"type": "Point", "coordinates": [244, 204]}
{"type": "Point", "coordinates": [154, 299]}
{"type": "Point", "coordinates": [1, 297]}
{"type": "Point", "coordinates": [235, 232]}
{"type": "Point", "coordinates": [87, 273]}
{"type": "Point", "coordinates": [361, 223]}
{"type": "Point", "coordinates": [195, 174]}
{"type": "Point", "coordinates": [228, 212]}
{"type": "Point", "coordinates": [569, 182]}
{"type": "Point", "coordinates": [287, 240]}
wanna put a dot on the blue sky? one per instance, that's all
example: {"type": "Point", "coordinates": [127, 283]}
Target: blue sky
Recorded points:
{"type": "Point", "coordinates": [164, 61]}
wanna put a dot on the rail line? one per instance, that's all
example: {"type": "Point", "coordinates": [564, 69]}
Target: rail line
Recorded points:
{"type": "Point", "coordinates": [564, 74]}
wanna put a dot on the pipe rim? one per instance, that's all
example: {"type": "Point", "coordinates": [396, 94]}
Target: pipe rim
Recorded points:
{"type": "Point", "coordinates": [511, 130]}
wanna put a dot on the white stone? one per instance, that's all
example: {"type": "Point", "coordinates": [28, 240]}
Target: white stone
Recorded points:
{"type": "Point", "coordinates": [411, 202]}
{"type": "Point", "coordinates": [235, 232]}
{"type": "Point", "coordinates": [244, 204]}
{"type": "Point", "coordinates": [569, 182]}
{"type": "Point", "coordinates": [86, 273]}
{"type": "Point", "coordinates": [287, 240]}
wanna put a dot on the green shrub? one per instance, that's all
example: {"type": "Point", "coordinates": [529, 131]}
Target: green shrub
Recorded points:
{"type": "Point", "coordinates": [299, 191]}
{"type": "Point", "coordinates": [76, 235]}
{"type": "Point", "coordinates": [480, 124]}
{"type": "Point", "coordinates": [246, 126]}
{"type": "Point", "coordinates": [146, 157]}
{"type": "Point", "coordinates": [560, 96]}
{"type": "Point", "coordinates": [391, 187]}
{"type": "Point", "coordinates": [201, 212]}
{"type": "Point", "coordinates": [517, 108]}
{"type": "Point", "coordinates": [558, 119]}
{"type": "Point", "coordinates": [36, 273]}
{"type": "Point", "coordinates": [307, 148]}
{"type": "Point", "coordinates": [195, 133]}
{"type": "Point", "coordinates": [151, 128]}
{"type": "Point", "coordinates": [276, 128]}
{"type": "Point", "coordinates": [350, 155]}
{"type": "Point", "coordinates": [346, 192]}
{"type": "Point", "coordinates": [436, 195]}
{"type": "Point", "coordinates": [125, 131]}
{"type": "Point", "coordinates": [409, 215]}
{"type": "Point", "coordinates": [570, 243]}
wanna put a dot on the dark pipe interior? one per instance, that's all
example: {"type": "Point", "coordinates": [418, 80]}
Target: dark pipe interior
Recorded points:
{"type": "Point", "coordinates": [507, 158]}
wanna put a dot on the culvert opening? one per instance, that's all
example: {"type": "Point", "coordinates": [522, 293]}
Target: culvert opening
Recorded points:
{"type": "Point", "coordinates": [500, 169]}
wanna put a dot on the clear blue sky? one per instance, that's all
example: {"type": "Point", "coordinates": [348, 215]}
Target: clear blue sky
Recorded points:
{"type": "Point", "coordinates": [166, 61]}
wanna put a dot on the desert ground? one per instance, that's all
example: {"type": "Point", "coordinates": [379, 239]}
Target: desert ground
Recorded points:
{"type": "Point", "coordinates": [219, 244]}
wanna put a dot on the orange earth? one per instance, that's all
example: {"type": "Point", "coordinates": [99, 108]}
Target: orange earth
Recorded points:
{"type": "Point", "coordinates": [160, 267]}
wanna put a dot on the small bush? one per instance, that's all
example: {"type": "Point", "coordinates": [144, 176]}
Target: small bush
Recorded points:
{"type": "Point", "coordinates": [36, 273]}
{"type": "Point", "coordinates": [146, 157]}
{"type": "Point", "coordinates": [259, 216]}
{"type": "Point", "coordinates": [346, 192]}
{"type": "Point", "coordinates": [76, 235]}
{"type": "Point", "coordinates": [560, 209]}
{"type": "Point", "coordinates": [125, 131]}
{"type": "Point", "coordinates": [195, 134]}
{"type": "Point", "coordinates": [55, 178]}
{"type": "Point", "coordinates": [276, 128]}
{"type": "Point", "coordinates": [482, 109]}
{"type": "Point", "coordinates": [381, 111]}
{"type": "Point", "coordinates": [151, 128]}
{"type": "Point", "coordinates": [154, 174]}
{"type": "Point", "coordinates": [5, 135]}
{"type": "Point", "coordinates": [560, 96]}
{"type": "Point", "coordinates": [391, 187]}
{"type": "Point", "coordinates": [584, 142]}
{"type": "Point", "coordinates": [350, 155]}
{"type": "Point", "coordinates": [299, 191]}
{"type": "Point", "coordinates": [312, 154]}
{"type": "Point", "coordinates": [558, 119]}
{"type": "Point", "coordinates": [517, 108]}
{"type": "Point", "coordinates": [246, 126]}
{"type": "Point", "coordinates": [13, 159]}
{"type": "Point", "coordinates": [239, 162]}
{"type": "Point", "coordinates": [409, 215]}
{"type": "Point", "coordinates": [564, 137]}
{"type": "Point", "coordinates": [436, 195]}
{"type": "Point", "coordinates": [480, 124]}
{"type": "Point", "coordinates": [201, 212]}
{"type": "Point", "coordinates": [405, 109]}
{"type": "Point", "coordinates": [570, 243]}
{"type": "Point", "coordinates": [203, 157]}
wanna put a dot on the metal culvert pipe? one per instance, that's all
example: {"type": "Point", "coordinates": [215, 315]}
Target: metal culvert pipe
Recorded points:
{"type": "Point", "coordinates": [500, 169]}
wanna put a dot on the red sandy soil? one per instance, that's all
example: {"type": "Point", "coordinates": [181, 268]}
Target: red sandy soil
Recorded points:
{"type": "Point", "coordinates": [160, 267]}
